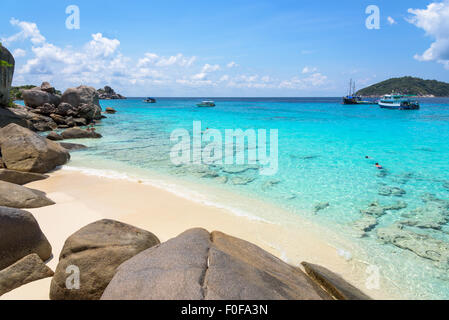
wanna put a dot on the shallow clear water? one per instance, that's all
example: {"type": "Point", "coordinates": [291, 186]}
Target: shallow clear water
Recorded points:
{"type": "Point", "coordinates": [322, 149]}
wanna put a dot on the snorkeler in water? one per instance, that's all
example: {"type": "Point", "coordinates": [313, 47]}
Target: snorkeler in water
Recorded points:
{"type": "Point", "coordinates": [378, 166]}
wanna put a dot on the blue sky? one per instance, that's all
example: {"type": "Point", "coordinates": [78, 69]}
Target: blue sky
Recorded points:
{"type": "Point", "coordinates": [225, 48]}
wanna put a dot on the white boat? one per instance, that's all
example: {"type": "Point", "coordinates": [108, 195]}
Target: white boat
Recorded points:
{"type": "Point", "coordinates": [206, 104]}
{"type": "Point", "coordinates": [398, 102]}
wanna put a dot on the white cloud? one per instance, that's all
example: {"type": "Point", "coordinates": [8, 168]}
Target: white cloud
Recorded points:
{"type": "Point", "coordinates": [28, 30]}
{"type": "Point", "coordinates": [210, 68]}
{"type": "Point", "coordinates": [308, 70]}
{"type": "Point", "coordinates": [179, 60]}
{"type": "Point", "coordinates": [391, 21]}
{"type": "Point", "coordinates": [199, 76]}
{"type": "Point", "coordinates": [232, 64]}
{"type": "Point", "coordinates": [19, 53]}
{"type": "Point", "coordinates": [102, 46]}
{"type": "Point", "coordinates": [434, 20]}
{"type": "Point", "coordinates": [314, 80]}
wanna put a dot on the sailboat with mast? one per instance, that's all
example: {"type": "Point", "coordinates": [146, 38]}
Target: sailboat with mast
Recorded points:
{"type": "Point", "coordinates": [353, 98]}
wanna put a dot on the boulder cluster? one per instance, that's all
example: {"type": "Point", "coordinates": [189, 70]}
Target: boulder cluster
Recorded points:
{"type": "Point", "coordinates": [109, 94]}
{"type": "Point", "coordinates": [76, 107]}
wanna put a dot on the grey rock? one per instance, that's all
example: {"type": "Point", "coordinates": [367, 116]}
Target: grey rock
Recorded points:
{"type": "Point", "coordinates": [364, 225]}
{"type": "Point", "coordinates": [320, 206]}
{"type": "Point", "coordinates": [24, 150]}
{"type": "Point", "coordinates": [86, 100]}
{"type": "Point", "coordinates": [72, 146]}
{"type": "Point", "coordinates": [20, 178]}
{"type": "Point", "coordinates": [78, 133]}
{"type": "Point", "coordinates": [54, 136]}
{"type": "Point", "coordinates": [28, 269]}
{"type": "Point", "coordinates": [16, 196]}
{"type": "Point", "coordinates": [391, 191]}
{"type": "Point", "coordinates": [35, 97]}
{"type": "Point", "coordinates": [335, 285]}
{"type": "Point", "coordinates": [97, 250]}
{"type": "Point", "coordinates": [110, 110]}
{"type": "Point", "coordinates": [20, 236]}
{"type": "Point", "coordinates": [374, 209]}
{"type": "Point", "coordinates": [242, 180]}
{"type": "Point", "coordinates": [198, 265]}
{"type": "Point", "coordinates": [45, 86]}
{"type": "Point", "coordinates": [6, 75]}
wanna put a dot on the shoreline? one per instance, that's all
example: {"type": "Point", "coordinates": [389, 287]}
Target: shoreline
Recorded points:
{"type": "Point", "coordinates": [82, 199]}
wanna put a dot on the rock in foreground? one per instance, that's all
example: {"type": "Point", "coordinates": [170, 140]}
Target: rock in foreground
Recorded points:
{"type": "Point", "coordinates": [6, 74]}
{"type": "Point", "coordinates": [16, 196]}
{"type": "Point", "coordinates": [333, 283]}
{"type": "Point", "coordinates": [20, 178]}
{"type": "Point", "coordinates": [198, 265]}
{"type": "Point", "coordinates": [29, 269]}
{"type": "Point", "coordinates": [97, 250]}
{"type": "Point", "coordinates": [24, 150]}
{"type": "Point", "coordinates": [20, 236]}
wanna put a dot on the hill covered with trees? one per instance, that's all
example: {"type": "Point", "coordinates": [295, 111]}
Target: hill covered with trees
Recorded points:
{"type": "Point", "coordinates": [407, 85]}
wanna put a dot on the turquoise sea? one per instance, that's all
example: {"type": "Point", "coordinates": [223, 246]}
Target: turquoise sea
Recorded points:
{"type": "Point", "coordinates": [322, 159]}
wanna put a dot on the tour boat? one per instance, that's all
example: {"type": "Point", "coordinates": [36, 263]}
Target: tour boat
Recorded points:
{"type": "Point", "coordinates": [150, 100]}
{"type": "Point", "coordinates": [206, 104]}
{"type": "Point", "coordinates": [399, 102]}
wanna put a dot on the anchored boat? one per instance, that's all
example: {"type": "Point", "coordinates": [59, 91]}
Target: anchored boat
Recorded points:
{"type": "Point", "coordinates": [150, 100]}
{"type": "Point", "coordinates": [353, 98]}
{"type": "Point", "coordinates": [399, 102]}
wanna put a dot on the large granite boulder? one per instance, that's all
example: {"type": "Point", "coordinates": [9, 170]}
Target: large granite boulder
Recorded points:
{"type": "Point", "coordinates": [97, 250]}
{"type": "Point", "coordinates": [24, 150]}
{"type": "Point", "coordinates": [110, 110]}
{"type": "Point", "coordinates": [6, 73]}
{"type": "Point", "coordinates": [16, 196]}
{"type": "Point", "coordinates": [339, 288]}
{"type": "Point", "coordinates": [7, 116]}
{"type": "Point", "coordinates": [20, 236]}
{"type": "Point", "coordinates": [72, 146]}
{"type": "Point", "coordinates": [108, 93]}
{"type": "Point", "coordinates": [198, 265]}
{"type": "Point", "coordinates": [54, 136]}
{"type": "Point", "coordinates": [86, 99]}
{"type": "Point", "coordinates": [36, 97]}
{"type": "Point", "coordinates": [29, 269]}
{"type": "Point", "coordinates": [78, 133]}
{"type": "Point", "coordinates": [26, 118]}
{"type": "Point", "coordinates": [21, 178]}
{"type": "Point", "coordinates": [47, 87]}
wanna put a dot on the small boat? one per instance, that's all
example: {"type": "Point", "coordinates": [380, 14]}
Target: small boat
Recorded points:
{"type": "Point", "coordinates": [150, 100]}
{"type": "Point", "coordinates": [399, 102]}
{"type": "Point", "coordinates": [206, 104]}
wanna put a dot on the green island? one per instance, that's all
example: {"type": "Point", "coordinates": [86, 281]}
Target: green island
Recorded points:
{"type": "Point", "coordinates": [407, 85]}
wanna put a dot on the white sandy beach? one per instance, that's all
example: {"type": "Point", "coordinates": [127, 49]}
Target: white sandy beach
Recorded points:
{"type": "Point", "coordinates": [82, 199]}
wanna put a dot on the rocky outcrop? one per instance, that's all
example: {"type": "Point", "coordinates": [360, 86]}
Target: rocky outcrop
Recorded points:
{"type": "Point", "coordinates": [198, 265]}
{"type": "Point", "coordinates": [6, 73]}
{"type": "Point", "coordinates": [320, 206]}
{"type": "Point", "coordinates": [29, 269]}
{"type": "Point", "coordinates": [77, 133]}
{"type": "Point", "coordinates": [37, 97]}
{"type": "Point", "coordinates": [97, 250]}
{"type": "Point", "coordinates": [21, 178]}
{"type": "Point", "coordinates": [86, 100]}
{"type": "Point", "coordinates": [20, 236]}
{"type": "Point", "coordinates": [16, 196]}
{"type": "Point", "coordinates": [333, 283]}
{"type": "Point", "coordinates": [109, 94]}
{"type": "Point", "coordinates": [24, 150]}
{"type": "Point", "coordinates": [26, 118]}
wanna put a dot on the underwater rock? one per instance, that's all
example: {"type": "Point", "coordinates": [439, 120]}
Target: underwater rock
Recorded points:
{"type": "Point", "coordinates": [234, 169]}
{"type": "Point", "coordinates": [391, 191]}
{"type": "Point", "coordinates": [320, 206]}
{"type": "Point", "coordinates": [364, 225]}
{"type": "Point", "coordinates": [420, 244]}
{"type": "Point", "coordinates": [222, 179]}
{"type": "Point", "coordinates": [374, 209]}
{"type": "Point", "coordinates": [433, 200]}
{"type": "Point", "coordinates": [242, 180]}
{"type": "Point", "coordinates": [382, 173]}
{"type": "Point", "coordinates": [270, 183]}
{"type": "Point", "coordinates": [427, 217]}
{"type": "Point", "coordinates": [396, 206]}
{"type": "Point", "coordinates": [446, 185]}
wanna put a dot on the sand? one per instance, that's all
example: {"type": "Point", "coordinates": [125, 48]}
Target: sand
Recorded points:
{"type": "Point", "coordinates": [82, 199]}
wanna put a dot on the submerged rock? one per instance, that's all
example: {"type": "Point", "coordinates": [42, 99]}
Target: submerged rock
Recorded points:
{"type": "Point", "coordinates": [110, 110]}
{"type": "Point", "coordinates": [222, 179]}
{"type": "Point", "coordinates": [391, 191]}
{"type": "Point", "coordinates": [364, 225]}
{"type": "Point", "coordinates": [374, 209]}
{"type": "Point", "coordinates": [198, 265]}
{"type": "Point", "coordinates": [242, 180]}
{"type": "Point", "coordinates": [320, 206]}
{"type": "Point", "coordinates": [20, 236]}
{"type": "Point", "coordinates": [420, 244]}
{"type": "Point", "coordinates": [72, 146]}
{"type": "Point", "coordinates": [396, 206]}
{"type": "Point", "coordinates": [28, 269]}
{"type": "Point", "coordinates": [97, 250]}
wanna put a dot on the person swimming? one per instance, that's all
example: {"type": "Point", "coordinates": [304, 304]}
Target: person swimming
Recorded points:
{"type": "Point", "coordinates": [378, 166]}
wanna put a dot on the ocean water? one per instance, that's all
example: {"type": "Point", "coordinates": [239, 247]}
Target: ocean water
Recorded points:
{"type": "Point", "coordinates": [322, 149]}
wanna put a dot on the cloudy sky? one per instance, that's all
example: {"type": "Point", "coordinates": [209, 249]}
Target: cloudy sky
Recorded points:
{"type": "Point", "coordinates": [225, 48]}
